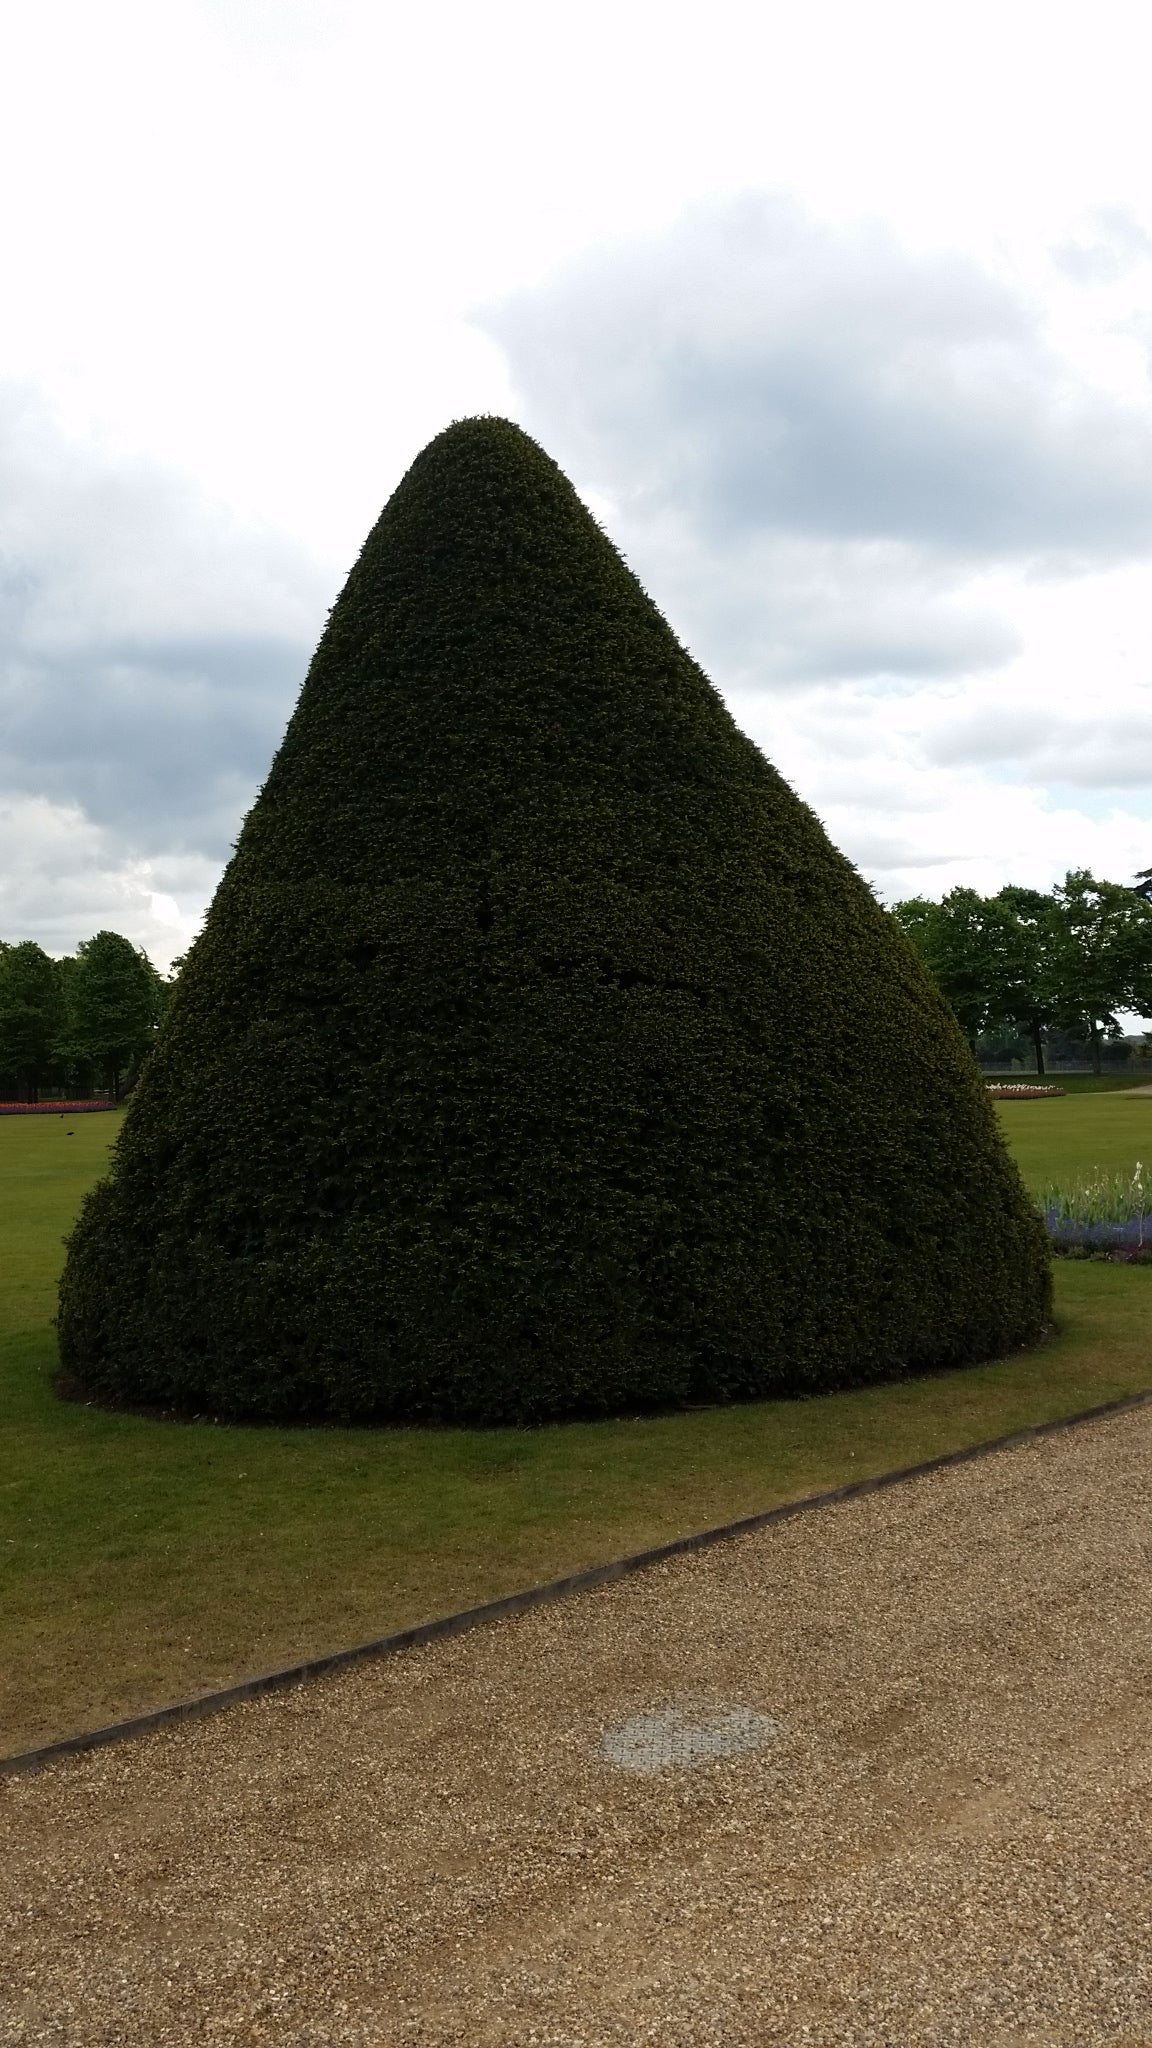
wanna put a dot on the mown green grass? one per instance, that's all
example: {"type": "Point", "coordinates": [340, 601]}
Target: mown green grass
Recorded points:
{"type": "Point", "coordinates": [142, 1561]}
{"type": "Point", "coordinates": [1064, 1137]}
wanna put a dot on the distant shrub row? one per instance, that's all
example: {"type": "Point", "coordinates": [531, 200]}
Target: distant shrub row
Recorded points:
{"type": "Point", "coordinates": [53, 1108]}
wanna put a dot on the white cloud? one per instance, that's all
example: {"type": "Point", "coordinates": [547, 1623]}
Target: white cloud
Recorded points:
{"type": "Point", "coordinates": [915, 828]}
{"type": "Point", "coordinates": [899, 514]}
{"type": "Point", "coordinates": [877, 443]}
{"type": "Point", "coordinates": [766, 374]}
{"type": "Point", "coordinates": [62, 879]}
{"type": "Point", "coordinates": [771, 610]}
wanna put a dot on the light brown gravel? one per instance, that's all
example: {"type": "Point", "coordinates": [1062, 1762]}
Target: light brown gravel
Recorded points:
{"type": "Point", "coordinates": [949, 1840]}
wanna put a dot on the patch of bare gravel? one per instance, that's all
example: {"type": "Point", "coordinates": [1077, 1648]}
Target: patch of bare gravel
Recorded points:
{"type": "Point", "coordinates": [934, 1825]}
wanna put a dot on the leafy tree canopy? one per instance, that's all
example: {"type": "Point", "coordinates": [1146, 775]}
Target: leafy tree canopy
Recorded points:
{"type": "Point", "coordinates": [88, 1018]}
{"type": "Point", "coordinates": [114, 998]}
{"type": "Point", "coordinates": [31, 1009]}
{"type": "Point", "coordinates": [1104, 953]}
{"type": "Point", "coordinates": [1027, 960]}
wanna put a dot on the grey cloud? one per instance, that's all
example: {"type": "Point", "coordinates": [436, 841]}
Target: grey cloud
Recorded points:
{"type": "Point", "coordinates": [877, 854]}
{"type": "Point", "coordinates": [1101, 752]}
{"type": "Point", "coordinates": [773, 376]}
{"type": "Point", "coordinates": [151, 647]}
{"type": "Point", "coordinates": [988, 738]}
{"type": "Point", "coordinates": [164, 743]}
{"type": "Point", "coordinates": [781, 612]}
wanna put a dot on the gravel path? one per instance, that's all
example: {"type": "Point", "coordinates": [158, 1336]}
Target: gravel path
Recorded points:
{"type": "Point", "coordinates": [934, 1825]}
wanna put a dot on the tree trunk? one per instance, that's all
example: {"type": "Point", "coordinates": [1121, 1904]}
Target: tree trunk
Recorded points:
{"type": "Point", "coordinates": [1095, 1037]}
{"type": "Point", "coordinates": [1038, 1041]}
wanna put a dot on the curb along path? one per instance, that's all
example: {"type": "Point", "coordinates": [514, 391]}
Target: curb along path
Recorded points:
{"type": "Point", "coordinates": [532, 1596]}
{"type": "Point", "coordinates": [877, 1776]}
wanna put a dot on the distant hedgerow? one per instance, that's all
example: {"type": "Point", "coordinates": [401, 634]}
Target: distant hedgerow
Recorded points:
{"type": "Point", "coordinates": [540, 1056]}
{"type": "Point", "coordinates": [53, 1108]}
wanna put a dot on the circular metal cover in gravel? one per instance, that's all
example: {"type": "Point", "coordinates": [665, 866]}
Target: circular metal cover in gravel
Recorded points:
{"type": "Point", "coordinates": [679, 1736]}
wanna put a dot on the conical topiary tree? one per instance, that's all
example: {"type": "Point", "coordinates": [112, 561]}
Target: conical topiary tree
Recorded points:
{"type": "Point", "coordinates": [540, 1056]}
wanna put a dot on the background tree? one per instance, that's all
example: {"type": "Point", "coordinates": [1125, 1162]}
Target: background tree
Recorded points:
{"type": "Point", "coordinates": [955, 940]}
{"type": "Point", "coordinates": [114, 1000]}
{"type": "Point", "coordinates": [1103, 955]}
{"type": "Point", "coordinates": [1025, 961]}
{"type": "Point", "coordinates": [30, 1015]}
{"type": "Point", "coordinates": [1027, 993]}
{"type": "Point", "coordinates": [992, 956]}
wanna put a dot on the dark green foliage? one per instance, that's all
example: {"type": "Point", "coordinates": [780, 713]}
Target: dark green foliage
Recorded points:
{"type": "Point", "coordinates": [31, 1007]}
{"type": "Point", "coordinates": [1030, 962]}
{"type": "Point", "coordinates": [994, 957]}
{"type": "Point", "coordinates": [1105, 955]}
{"type": "Point", "coordinates": [113, 1001]}
{"type": "Point", "coordinates": [498, 1086]}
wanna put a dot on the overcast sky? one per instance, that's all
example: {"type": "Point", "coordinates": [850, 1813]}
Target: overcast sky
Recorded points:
{"type": "Point", "coordinates": [839, 317]}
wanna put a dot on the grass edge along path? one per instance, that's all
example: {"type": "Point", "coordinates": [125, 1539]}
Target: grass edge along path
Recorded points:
{"type": "Point", "coordinates": [143, 1561]}
{"type": "Point", "coordinates": [534, 1596]}
{"type": "Point", "coordinates": [227, 1553]}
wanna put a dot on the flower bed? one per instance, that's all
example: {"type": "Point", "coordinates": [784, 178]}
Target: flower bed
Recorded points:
{"type": "Point", "coordinates": [1019, 1090]}
{"type": "Point", "coordinates": [52, 1108]}
{"type": "Point", "coordinates": [1130, 1243]}
{"type": "Point", "coordinates": [1108, 1215]}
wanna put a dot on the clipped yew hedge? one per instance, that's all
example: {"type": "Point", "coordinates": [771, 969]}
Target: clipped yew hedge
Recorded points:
{"type": "Point", "coordinates": [540, 1056]}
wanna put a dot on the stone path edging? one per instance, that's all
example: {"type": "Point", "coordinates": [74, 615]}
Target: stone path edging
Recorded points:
{"type": "Point", "coordinates": [532, 1596]}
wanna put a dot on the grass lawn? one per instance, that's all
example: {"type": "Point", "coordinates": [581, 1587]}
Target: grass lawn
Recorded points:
{"type": "Point", "coordinates": [143, 1561]}
{"type": "Point", "coordinates": [1062, 1137]}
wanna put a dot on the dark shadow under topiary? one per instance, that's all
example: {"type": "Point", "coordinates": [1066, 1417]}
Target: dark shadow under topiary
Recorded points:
{"type": "Point", "coordinates": [540, 1056]}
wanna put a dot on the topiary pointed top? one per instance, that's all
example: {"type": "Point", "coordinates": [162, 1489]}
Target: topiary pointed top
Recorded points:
{"type": "Point", "coordinates": [540, 1055]}
{"type": "Point", "coordinates": [489, 633]}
